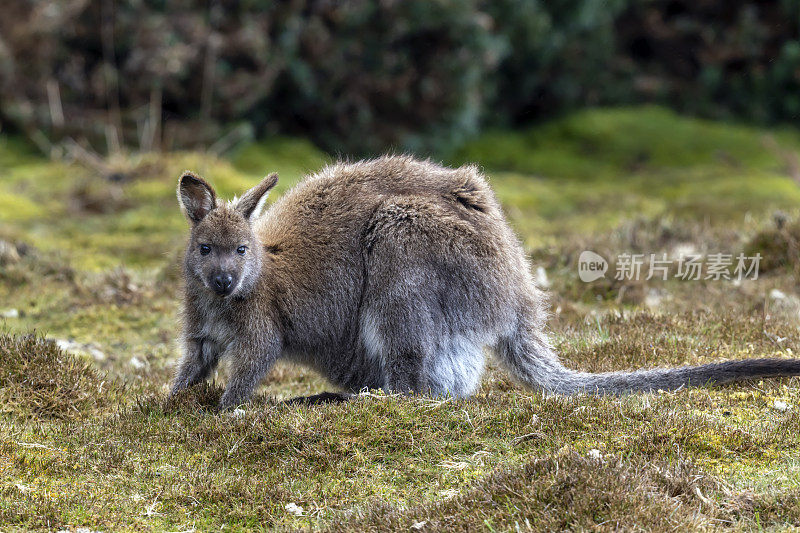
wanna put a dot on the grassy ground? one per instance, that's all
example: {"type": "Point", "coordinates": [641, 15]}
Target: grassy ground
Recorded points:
{"type": "Point", "coordinates": [89, 288]}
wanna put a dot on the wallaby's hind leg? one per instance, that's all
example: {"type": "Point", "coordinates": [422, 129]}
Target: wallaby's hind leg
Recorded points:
{"type": "Point", "coordinates": [410, 340]}
{"type": "Point", "coordinates": [422, 307]}
{"type": "Point", "coordinates": [399, 338]}
{"type": "Point", "coordinates": [456, 368]}
{"type": "Point", "coordinates": [200, 359]}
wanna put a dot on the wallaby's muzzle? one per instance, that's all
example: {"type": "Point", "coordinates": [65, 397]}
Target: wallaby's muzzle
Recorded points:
{"type": "Point", "coordinates": [223, 283]}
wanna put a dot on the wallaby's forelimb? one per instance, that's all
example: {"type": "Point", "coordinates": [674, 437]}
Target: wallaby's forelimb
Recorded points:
{"type": "Point", "coordinates": [200, 359]}
{"type": "Point", "coordinates": [252, 358]}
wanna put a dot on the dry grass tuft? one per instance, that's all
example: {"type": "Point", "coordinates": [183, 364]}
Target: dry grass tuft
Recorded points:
{"type": "Point", "coordinates": [38, 380]}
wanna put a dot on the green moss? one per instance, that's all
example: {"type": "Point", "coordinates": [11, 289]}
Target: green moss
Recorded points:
{"type": "Point", "coordinates": [39, 380]}
{"type": "Point", "coordinates": [290, 158]}
{"type": "Point", "coordinates": [16, 209]}
{"type": "Point", "coordinates": [595, 144]}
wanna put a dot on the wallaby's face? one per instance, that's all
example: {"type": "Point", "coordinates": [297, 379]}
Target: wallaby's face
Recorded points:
{"type": "Point", "coordinates": [223, 253]}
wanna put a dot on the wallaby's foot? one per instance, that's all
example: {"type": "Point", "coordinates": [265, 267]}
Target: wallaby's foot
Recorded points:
{"type": "Point", "coordinates": [230, 401]}
{"type": "Point", "coordinates": [322, 398]}
{"type": "Point", "coordinates": [177, 387]}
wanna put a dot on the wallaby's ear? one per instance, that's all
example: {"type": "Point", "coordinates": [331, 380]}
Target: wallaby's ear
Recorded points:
{"type": "Point", "coordinates": [196, 196]}
{"type": "Point", "coordinates": [253, 200]}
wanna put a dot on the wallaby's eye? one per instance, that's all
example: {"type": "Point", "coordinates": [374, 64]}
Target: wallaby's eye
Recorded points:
{"type": "Point", "coordinates": [205, 249]}
{"type": "Point", "coordinates": [241, 250]}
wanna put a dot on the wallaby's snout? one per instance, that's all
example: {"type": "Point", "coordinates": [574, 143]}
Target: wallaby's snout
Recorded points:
{"type": "Point", "coordinates": [222, 269]}
{"type": "Point", "coordinates": [223, 284]}
{"type": "Point", "coordinates": [223, 253]}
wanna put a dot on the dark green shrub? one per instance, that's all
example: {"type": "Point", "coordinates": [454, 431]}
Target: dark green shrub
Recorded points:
{"type": "Point", "coordinates": [561, 55]}
{"type": "Point", "coordinates": [360, 77]}
{"type": "Point", "coordinates": [714, 58]}
{"type": "Point", "coordinates": [356, 76]}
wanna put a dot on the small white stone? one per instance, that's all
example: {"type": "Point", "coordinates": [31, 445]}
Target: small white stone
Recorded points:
{"type": "Point", "coordinates": [237, 413]}
{"type": "Point", "coordinates": [294, 509]}
{"type": "Point", "coordinates": [683, 250]}
{"type": "Point", "coordinates": [8, 253]}
{"type": "Point", "coordinates": [64, 344]}
{"type": "Point", "coordinates": [777, 294]}
{"type": "Point", "coordinates": [419, 525]}
{"type": "Point", "coordinates": [781, 406]}
{"type": "Point", "coordinates": [653, 299]}
{"type": "Point", "coordinates": [10, 313]}
{"type": "Point", "coordinates": [594, 453]}
{"type": "Point", "coordinates": [448, 494]}
{"type": "Point", "coordinates": [137, 363]}
{"type": "Point", "coordinates": [541, 278]}
{"type": "Point", "coordinates": [96, 353]}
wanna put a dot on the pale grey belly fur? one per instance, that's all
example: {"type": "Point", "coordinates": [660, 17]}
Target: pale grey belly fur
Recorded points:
{"type": "Point", "coordinates": [454, 368]}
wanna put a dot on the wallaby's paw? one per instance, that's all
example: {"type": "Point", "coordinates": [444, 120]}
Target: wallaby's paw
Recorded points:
{"type": "Point", "coordinates": [200, 397]}
{"type": "Point", "coordinates": [228, 403]}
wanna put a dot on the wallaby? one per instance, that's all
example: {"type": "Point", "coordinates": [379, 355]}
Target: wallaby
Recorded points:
{"type": "Point", "coordinates": [392, 273]}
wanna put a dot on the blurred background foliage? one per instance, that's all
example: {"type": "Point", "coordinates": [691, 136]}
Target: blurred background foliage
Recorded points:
{"type": "Point", "coordinates": [359, 77]}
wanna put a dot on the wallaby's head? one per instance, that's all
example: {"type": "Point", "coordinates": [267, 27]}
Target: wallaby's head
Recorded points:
{"type": "Point", "coordinates": [223, 252]}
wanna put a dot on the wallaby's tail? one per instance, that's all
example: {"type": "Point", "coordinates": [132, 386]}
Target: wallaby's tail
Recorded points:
{"type": "Point", "coordinates": [675, 378]}
{"type": "Point", "coordinates": [533, 361]}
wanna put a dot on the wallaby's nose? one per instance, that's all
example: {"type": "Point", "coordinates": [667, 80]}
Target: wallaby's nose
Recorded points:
{"type": "Point", "coordinates": [222, 283]}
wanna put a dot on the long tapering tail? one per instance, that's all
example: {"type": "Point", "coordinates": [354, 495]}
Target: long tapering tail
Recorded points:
{"type": "Point", "coordinates": [675, 378]}
{"type": "Point", "coordinates": [531, 359]}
